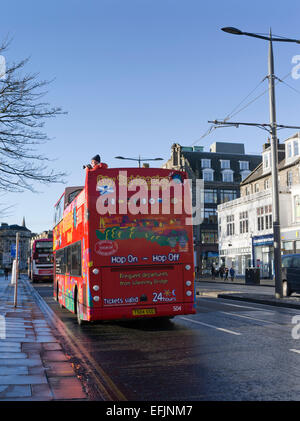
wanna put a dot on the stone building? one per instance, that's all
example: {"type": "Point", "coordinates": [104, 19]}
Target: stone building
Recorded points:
{"type": "Point", "coordinates": [8, 244]}
{"type": "Point", "coordinates": [249, 239]}
{"type": "Point", "coordinates": [222, 169]}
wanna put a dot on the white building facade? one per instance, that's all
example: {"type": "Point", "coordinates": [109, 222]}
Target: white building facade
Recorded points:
{"type": "Point", "coordinates": [245, 224]}
{"type": "Point", "coordinates": [246, 231]}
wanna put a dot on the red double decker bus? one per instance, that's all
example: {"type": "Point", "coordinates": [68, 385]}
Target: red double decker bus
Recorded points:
{"type": "Point", "coordinates": [41, 261]}
{"type": "Point", "coordinates": [117, 253]}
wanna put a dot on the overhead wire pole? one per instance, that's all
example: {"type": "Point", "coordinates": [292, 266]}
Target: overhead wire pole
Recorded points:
{"type": "Point", "coordinates": [17, 270]}
{"type": "Point", "coordinates": [274, 170]}
{"type": "Point", "coordinates": [274, 148]}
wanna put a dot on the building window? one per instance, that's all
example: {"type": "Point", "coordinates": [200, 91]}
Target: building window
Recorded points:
{"type": "Point", "coordinates": [289, 150]}
{"type": "Point", "coordinates": [264, 217]}
{"type": "Point", "coordinates": [244, 165]}
{"type": "Point", "coordinates": [210, 216]}
{"type": "Point", "coordinates": [292, 148]}
{"type": "Point", "coordinates": [296, 148]}
{"type": "Point", "coordinates": [225, 163]}
{"type": "Point", "coordinates": [227, 195]}
{"type": "Point", "coordinates": [208, 175]}
{"type": "Point", "coordinates": [210, 196]}
{"type": "Point", "coordinates": [288, 247]}
{"type": "Point", "coordinates": [244, 225]}
{"type": "Point", "coordinates": [297, 208]}
{"type": "Point", "coordinates": [209, 237]}
{"type": "Point", "coordinates": [205, 163]}
{"type": "Point", "coordinates": [230, 224]}
{"type": "Point", "coordinates": [248, 190]}
{"type": "Point", "coordinates": [256, 187]}
{"type": "Point", "coordinates": [289, 178]}
{"type": "Point", "coordinates": [266, 160]}
{"type": "Point", "coordinates": [245, 174]}
{"type": "Point", "coordinates": [227, 176]}
{"type": "Point", "coordinates": [267, 184]}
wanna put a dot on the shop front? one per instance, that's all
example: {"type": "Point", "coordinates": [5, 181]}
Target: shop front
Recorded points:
{"type": "Point", "coordinates": [290, 241]}
{"type": "Point", "coordinates": [209, 258]}
{"type": "Point", "coordinates": [263, 255]}
{"type": "Point", "coordinates": [238, 258]}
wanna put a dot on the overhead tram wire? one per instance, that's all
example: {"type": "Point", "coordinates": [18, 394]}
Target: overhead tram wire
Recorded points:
{"type": "Point", "coordinates": [289, 86]}
{"type": "Point", "coordinates": [232, 114]}
{"type": "Point", "coordinates": [213, 127]}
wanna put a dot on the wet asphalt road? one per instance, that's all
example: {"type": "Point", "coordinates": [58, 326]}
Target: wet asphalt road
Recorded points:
{"type": "Point", "coordinates": [228, 351]}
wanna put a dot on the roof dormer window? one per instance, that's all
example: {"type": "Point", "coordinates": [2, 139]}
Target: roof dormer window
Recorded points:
{"type": "Point", "coordinates": [266, 160]}
{"type": "Point", "coordinates": [208, 174]}
{"type": "Point", "coordinates": [205, 163]}
{"type": "Point", "coordinates": [244, 165]}
{"type": "Point", "coordinates": [225, 163]}
{"type": "Point", "coordinates": [296, 147]}
{"type": "Point", "coordinates": [289, 150]}
{"type": "Point", "coordinates": [292, 148]}
{"type": "Point", "coordinates": [227, 176]}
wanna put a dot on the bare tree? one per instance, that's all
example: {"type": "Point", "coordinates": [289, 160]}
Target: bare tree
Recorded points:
{"type": "Point", "coordinates": [5, 210]}
{"type": "Point", "coordinates": [22, 117]}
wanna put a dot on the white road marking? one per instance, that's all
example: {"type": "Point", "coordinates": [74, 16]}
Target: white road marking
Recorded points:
{"type": "Point", "coordinates": [249, 317]}
{"type": "Point", "coordinates": [295, 350]}
{"type": "Point", "coordinates": [242, 306]}
{"type": "Point", "coordinates": [208, 325]}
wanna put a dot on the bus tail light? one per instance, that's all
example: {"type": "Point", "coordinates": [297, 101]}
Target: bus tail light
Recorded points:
{"type": "Point", "coordinates": [96, 298]}
{"type": "Point", "coordinates": [95, 271]}
{"type": "Point", "coordinates": [96, 287]}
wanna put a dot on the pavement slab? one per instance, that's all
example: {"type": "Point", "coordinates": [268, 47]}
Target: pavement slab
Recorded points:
{"type": "Point", "coordinates": [33, 364]}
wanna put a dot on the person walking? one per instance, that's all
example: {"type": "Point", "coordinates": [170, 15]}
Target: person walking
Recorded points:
{"type": "Point", "coordinates": [213, 272]}
{"type": "Point", "coordinates": [6, 272]}
{"type": "Point", "coordinates": [226, 273]}
{"type": "Point", "coordinates": [232, 273]}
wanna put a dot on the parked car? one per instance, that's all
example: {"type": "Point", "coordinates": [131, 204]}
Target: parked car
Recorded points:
{"type": "Point", "coordinates": [290, 274]}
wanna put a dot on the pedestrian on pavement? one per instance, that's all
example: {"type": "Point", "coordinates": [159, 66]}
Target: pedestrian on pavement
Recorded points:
{"type": "Point", "coordinates": [6, 272]}
{"type": "Point", "coordinates": [232, 272]}
{"type": "Point", "coordinates": [213, 272]}
{"type": "Point", "coordinates": [226, 273]}
{"type": "Point", "coordinates": [221, 271]}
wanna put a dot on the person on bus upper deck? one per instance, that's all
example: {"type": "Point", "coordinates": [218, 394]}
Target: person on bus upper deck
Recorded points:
{"type": "Point", "coordinates": [96, 162]}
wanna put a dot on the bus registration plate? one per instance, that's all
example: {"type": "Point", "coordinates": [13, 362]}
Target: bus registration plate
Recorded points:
{"type": "Point", "coordinates": [143, 311]}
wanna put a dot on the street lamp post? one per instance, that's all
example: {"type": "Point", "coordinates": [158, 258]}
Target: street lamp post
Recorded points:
{"type": "Point", "coordinates": [139, 159]}
{"type": "Point", "coordinates": [274, 146]}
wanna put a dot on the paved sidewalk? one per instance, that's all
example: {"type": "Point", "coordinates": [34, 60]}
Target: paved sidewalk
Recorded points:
{"type": "Point", "coordinates": [237, 281]}
{"type": "Point", "coordinates": [33, 365]}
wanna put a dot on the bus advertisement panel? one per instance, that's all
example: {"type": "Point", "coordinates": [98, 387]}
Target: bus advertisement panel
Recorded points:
{"type": "Point", "coordinates": [41, 267]}
{"type": "Point", "coordinates": [123, 247]}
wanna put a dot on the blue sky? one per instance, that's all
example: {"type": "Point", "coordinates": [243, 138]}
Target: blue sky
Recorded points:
{"type": "Point", "coordinates": [136, 76]}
